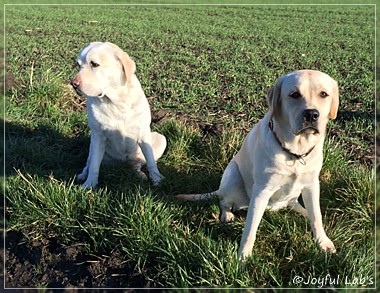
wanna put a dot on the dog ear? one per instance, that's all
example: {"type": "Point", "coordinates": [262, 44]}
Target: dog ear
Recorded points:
{"type": "Point", "coordinates": [129, 66]}
{"type": "Point", "coordinates": [274, 96]}
{"type": "Point", "coordinates": [335, 101]}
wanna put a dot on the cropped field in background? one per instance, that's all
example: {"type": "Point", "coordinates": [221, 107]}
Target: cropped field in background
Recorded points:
{"type": "Point", "coordinates": [206, 71]}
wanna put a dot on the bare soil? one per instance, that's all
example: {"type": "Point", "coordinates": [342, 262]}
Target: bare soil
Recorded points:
{"type": "Point", "coordinates": [49, 264]}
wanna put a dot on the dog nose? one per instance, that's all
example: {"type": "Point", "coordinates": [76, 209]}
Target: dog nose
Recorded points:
{"type": "Point", "coordinates": [75, 82]}
{"type": "Point", "coordinates": [311, 115]}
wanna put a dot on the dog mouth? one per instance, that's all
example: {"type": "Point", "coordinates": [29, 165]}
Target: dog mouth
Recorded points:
{"type": "Point", "coordinates": [307, 130]}
{"type": "Point", "coordinates": [100, 95]}
{"type": "Point", "coordinates": [78, 92]}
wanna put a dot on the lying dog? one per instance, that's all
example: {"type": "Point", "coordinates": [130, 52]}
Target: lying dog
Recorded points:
{"type": "Point", "coordinates": [281, 157]}
{"type": "Point", "coordinates": [118, 113]}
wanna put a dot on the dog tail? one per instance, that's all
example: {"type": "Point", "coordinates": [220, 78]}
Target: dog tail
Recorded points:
{"type": "Point", "coordinates": [199, 196]}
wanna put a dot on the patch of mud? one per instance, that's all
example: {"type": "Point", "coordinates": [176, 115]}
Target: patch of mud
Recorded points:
{"type": "Point", "coordinates": [49, 264]}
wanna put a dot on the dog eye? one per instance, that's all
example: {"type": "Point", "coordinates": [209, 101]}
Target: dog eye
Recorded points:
{"type": "Point", "coordinates": [295, 95]}
{"type": "Point", "coordinates": [323, 94]}
{"type": "Point", "coordinates": [94, 64]}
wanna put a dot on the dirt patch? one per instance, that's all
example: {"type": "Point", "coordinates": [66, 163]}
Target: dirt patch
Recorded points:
{"type": "Point", "coordinates": [10, 82]}
{"type": "Point", "coordinates": [206, 128]}
{"type": "Point", "coordinates": [49, 264]}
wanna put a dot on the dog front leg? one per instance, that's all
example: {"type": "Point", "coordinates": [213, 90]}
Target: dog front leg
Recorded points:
{"type": "Point", "coordinates": [310, 196]}
{"type": "Point", "coordinates": [147, 150]}
{"type": "Point", "coordinates": [95, 157]}
{"type": "Point", "coordinates": [257, 204]}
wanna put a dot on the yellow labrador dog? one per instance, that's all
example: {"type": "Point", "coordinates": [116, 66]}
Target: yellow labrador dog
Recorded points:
{"type": "Point", "coordinates": [281, 157]}
{"type": "Point", "coordinates": [118, 113]}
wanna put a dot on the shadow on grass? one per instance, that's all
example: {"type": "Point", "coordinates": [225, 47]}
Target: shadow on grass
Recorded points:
{"type": "Point", "coordinates": [42, 152]}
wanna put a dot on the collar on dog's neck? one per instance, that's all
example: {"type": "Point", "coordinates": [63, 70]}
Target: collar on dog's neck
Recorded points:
{"type": "Point", "coordinates": [298, 157]}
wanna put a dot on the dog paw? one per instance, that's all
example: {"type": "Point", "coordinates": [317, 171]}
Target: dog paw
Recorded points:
{"type": "Point", "coordinates": [243, 256]}
{"type": "Point", "coordinates": [157, 178]}
{"type": "Point", "coordinates": [226, 217]}
{"type": "Point", "coordinates": [88, 184]}
{"type": "Point", "coordinates": [81, 177]}
{"type": "Point", "coordinates": [141, 175]}
{"type": "Point", "coordinates": [327, 245]}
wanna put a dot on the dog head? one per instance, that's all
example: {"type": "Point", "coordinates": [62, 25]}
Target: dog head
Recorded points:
{"type": "Point", "coordinates": [304, 100]}
{"type": "Point", "coordinates": [102, 66]}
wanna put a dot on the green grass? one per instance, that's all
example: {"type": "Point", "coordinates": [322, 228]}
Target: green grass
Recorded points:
{"type": "Point", "coordinates": [200, 64]}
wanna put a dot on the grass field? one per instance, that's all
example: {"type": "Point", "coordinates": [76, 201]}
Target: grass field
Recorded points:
{"type": "Point", "coordinates": [208, 69]}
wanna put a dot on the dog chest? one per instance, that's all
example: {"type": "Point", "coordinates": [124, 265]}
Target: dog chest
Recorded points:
{"type": "Point", "coordinates": [120, 147]}
{"type": "Point", "coordinates": [290, 188]}
{"type": "Point", "coordinates": [106, 116]}
{"type": "Point", "coordinates": [121, 129]}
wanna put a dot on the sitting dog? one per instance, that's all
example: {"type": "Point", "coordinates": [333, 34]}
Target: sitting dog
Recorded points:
{"type": "Point", "coordinates": [118, 113]}
{"type": "Point", "coordinates": [281, 157]}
